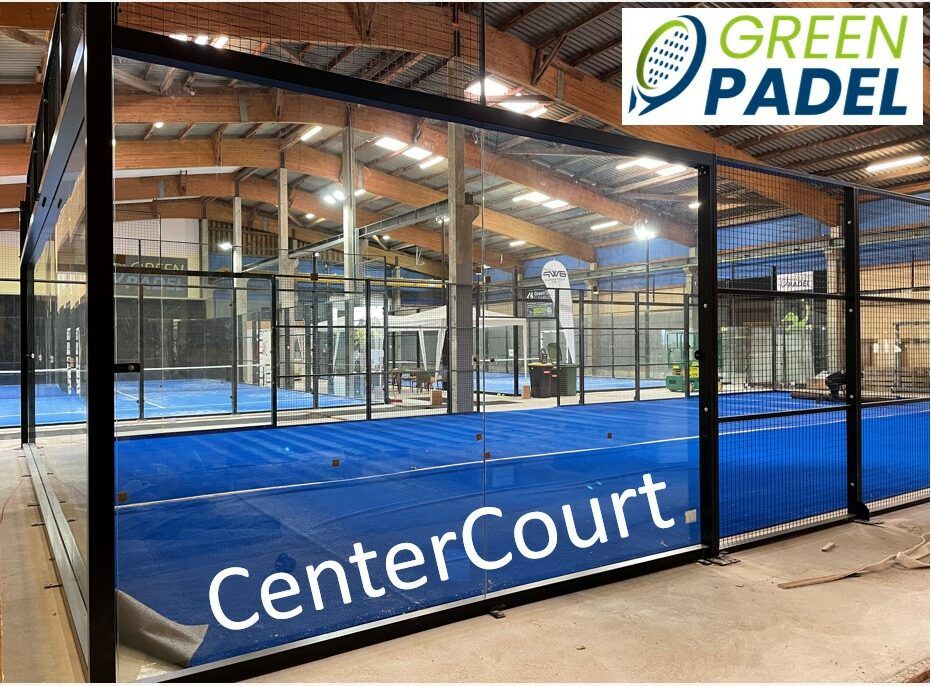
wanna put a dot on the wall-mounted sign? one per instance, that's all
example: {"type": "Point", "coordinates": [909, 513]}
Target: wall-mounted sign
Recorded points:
{"type": "Point", "coordinates": [537, 304]}
{"type": "Point", "coordinates": [797, 281]}
{"type": "Point", "coordinates": [156, 285]}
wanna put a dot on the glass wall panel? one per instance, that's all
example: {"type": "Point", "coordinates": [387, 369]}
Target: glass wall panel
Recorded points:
{"type": "Point", "coordinates": [9, 330]}
{"type": "Point", "coordinates": [60, 336]}
{"type": "Point", "coordinates": [596, 464]}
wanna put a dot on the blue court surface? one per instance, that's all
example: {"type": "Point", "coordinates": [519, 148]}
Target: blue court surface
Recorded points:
{"type": "Point", "coordinates": [280, 499]}
{"type": "Point", "coordinates": [503, 382]}
{"type": "Point", "coordinates": [185, 397]}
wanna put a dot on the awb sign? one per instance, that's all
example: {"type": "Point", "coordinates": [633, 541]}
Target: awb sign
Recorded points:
{"type": "Point", "coordinates": [772, 66]}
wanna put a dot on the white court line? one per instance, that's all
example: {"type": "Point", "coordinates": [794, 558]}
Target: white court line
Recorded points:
{"type": "Point", "coordinates": [136, 398]}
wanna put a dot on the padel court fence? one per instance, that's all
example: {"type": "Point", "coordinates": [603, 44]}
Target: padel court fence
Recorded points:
{"type": "Point", "coordinates": [827, 305]}
{"type": "Point", "coordinates": [808, 403]}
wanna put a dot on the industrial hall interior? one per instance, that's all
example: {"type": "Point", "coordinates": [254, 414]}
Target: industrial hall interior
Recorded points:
{"type": "Point", "coordinates": [372, 342]}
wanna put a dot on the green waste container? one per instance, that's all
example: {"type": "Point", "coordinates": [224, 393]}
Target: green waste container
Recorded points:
{"type": "Point", "coordinates": [542, 381]}
{"type": "Point", "coordinates": [567, 376]}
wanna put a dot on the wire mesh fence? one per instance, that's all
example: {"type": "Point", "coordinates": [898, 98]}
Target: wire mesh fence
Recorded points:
{"type": "Point", "coordinates": [894, 349]}
{"type": "Point", "coordinates": [782, 335]}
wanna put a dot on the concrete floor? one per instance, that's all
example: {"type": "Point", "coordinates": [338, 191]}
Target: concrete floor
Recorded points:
{"type": "Point", "coordinates": [693, 623]}
{"type": "Point", "coordinates": [35, 636]}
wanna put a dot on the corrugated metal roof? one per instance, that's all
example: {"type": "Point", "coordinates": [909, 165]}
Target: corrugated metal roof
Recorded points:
{"type": "Point", "coordinates": [18, 62]}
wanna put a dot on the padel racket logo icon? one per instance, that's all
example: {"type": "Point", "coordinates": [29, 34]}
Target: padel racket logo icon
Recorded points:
{"type": "Point", "coordinates": [668, 62]}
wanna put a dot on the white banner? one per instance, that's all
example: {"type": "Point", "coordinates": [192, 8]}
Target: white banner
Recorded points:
{"type": "Point", "coordinates": [765, 66]}
{"type": "Point", "coordinates": [555, 277]}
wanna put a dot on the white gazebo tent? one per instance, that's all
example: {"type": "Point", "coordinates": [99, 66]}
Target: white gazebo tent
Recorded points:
{"type": "Point", "coordinates": [435, 319]}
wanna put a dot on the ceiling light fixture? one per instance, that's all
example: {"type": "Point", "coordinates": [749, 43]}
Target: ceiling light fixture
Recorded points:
{"type": "Point", "coordinates": [493, 88]}
{"type": "Point", "coordinates": [416, 153]}
{"type": "Point", "coordinates": [389, 143]}
{"type": "Point", "coordinates": [179, 36]}
{"type": "Point", "coordinates": [642, 162]}
{"type": "Point", "coordinates": [604, 225]}
{"type": "Point", "coordinates": [386, 237]}
{"type": "Point", "coordinates": [532, 196]}
{"type": "Point", "coordinates": [309, 215]}
{"type": "Point", "coordinates": [225, 246]}
{"type": "Point", "coordinates": [158, 124]}
{"type": "Point", "coordinates": [311, 132]}
{"type": "Point", "coordinates": [329, 199]}
{"type": "Point", "coordinates": [201, 39]}
{"type": "Point", "coordinates": [892, 164]}
{"type": "Point", "coordinates": [339, 195]}
{"type": "Point", "coordinates": [643, 233]}
{"type": "Point", "coordinates": [515, 244]}
{"type": "Point", "coordinates": [220, 41]}
{"type": "Point", "coordinates": [556, 204]}
{"type": "Point", "coordinates": [671, 170]}
{"type": "Point", "coordinates": [358, 192]}
{"type": "Point", "coordinates": [432, 161]}
{"type": "Point", "coordinates": [694, 205]}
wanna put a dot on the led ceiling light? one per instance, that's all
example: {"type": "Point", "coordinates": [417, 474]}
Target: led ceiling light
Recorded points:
{"type": "Point", "coordinates": [201, 39]}
{"type": "Point", "coordinates": [389, 143]}
{"type": "Point", "coordinates": [671, 169]}
{"type": "Point", "coordinates": [642, 162]}
{"type": "Point", "coordinates": [694, 205]}
{"type": "Point", "coordinates": [339, 195]}
{"type": "Point", "coordinates": [604, 225]}
{"type": "Point", "coordinates": [359, 192]}
{"type": "Point", "coordinates": [493, 88]}
{"type": "Point", "coordinates": [416, 153]}
{"type": "Point", "coordinates": [515, 244]}
{"type": "Point", "coordinates": [309, 215]}
{"type": "Point", "coordinates": [892, 164]}
{"type": "Point", "coordinates": [220, 41]}
{"type": "Point", "coordinates": [158, 124]}
{"type": "Point", "coordinates": [225, 245]}
{"type": "Point", "coordinates": [643, 233]}
{"type": "Point", "coordinates": [556, 204]}
{"type": "Point", "coordinates": [179, 36]}
{"type": "Point", "coordinates": [311, 132]}
{"type": "Point", "coordinates": [532, 196]}
{"type": "Point", "coordinates": [432, 161]}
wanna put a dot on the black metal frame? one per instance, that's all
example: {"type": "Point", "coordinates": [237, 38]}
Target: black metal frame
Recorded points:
{"type": "Point", "coordinates": [90, 101]}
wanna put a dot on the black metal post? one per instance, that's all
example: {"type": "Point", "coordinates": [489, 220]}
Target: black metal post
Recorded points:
{"type": "Point", "coordinates": [234, 331]}
{"type": "Point", "coordinates": [774, 336]}
{"type": "Point", "coordinates": [646, 316]}
{"type": "Point", "coordinates": [478, 353]}
{"type": "Point", "coordinates": [101, 482]}
{"type": "Point", "coordinates": [449, 355]}
{"type": "Point", "coordinates": [310, 354]}
{"type": "Point", "coordinates": [581, 346]}
{"type": "Point", "coordinates": [368, 349]}
{"type": "Point", "coordinates": [636, 345]}
{"type": "Point", "coordinates": [140, 313]}
{"type": "Point", "coordinates": [386, 377]}
{"type": "Point", "coordinates": [558, 355]}
{"type": "Point", "coordinates": [274, 351]}
{"type": "Point", "coordinates": [707, 356]}
{"type": "Point", "coordinates": [851, 231]}
{"type": "Point", "coordinates": [515, 310]}
{"type": "Point", "coordinates": [27, 407]}
{"type": "Point", "coordinates": [686, 347]}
